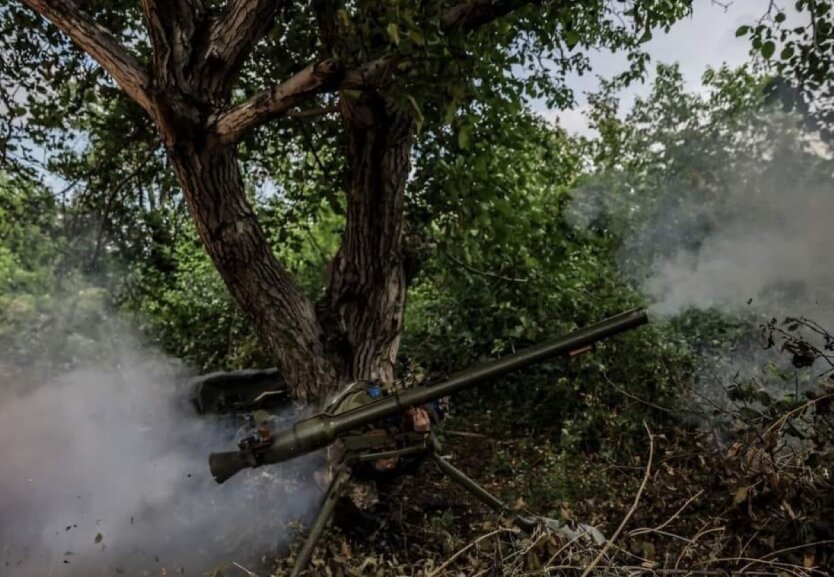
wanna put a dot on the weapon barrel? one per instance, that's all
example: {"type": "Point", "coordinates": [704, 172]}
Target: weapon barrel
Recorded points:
{"type": "Point", "coordinates": [320, 430]}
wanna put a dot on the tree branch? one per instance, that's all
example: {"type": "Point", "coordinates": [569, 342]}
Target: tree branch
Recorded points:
{"type": "Point", "coordinates": [476, 13]}
{"type": "Point", "coordinates": [100, 44]}
{"type": "Point", "coordinates": [326, 75]}
{"type": "Point", "coordinates": [485, 273]}
{"type": "Point", "coordinates": [646, 477]}
{"type": "Point", "coordinates": [174, 28]}
{"type": "Point", "coordinates": [325, 11]}
{"type": "Point", "coordinates": [239, 29]}
{"type": "Point", "coordinates": [313, 112]}
{"type": "Point", "coordinates": [277, 101]}
{"type": "Point", "coordinates": [369, 75]}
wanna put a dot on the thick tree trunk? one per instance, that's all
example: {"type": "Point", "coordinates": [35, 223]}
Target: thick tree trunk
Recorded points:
{"type": "Point", "coordinates": [283, 317]}
{"type": "Point", "coordinates": [196, 55]}
{"type": "Point", "coordinates": [367, 284]}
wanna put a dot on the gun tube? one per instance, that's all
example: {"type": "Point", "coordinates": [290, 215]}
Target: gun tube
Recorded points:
{"type": "Point", "coordinates": [321, 430]}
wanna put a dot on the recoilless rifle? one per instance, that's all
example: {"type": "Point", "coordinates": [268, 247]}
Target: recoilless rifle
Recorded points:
{"type": "Point", "coordinates": [364, 421]}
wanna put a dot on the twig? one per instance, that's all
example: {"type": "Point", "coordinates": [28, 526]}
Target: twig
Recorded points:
{"type": "Point", "coordinates": [719, 572]}
{"type": "Point", "coordinates": [468, 547]}
{"type": "Point", "coordinates": [780, 422]}
{"type": "Point", "coordinates": [786, 549]}
{"type": "Point", "coordinates": [637, 570]}
{"type": "Point", "coordinates": [792, 569]}
{"type": "Point", "coordinates": [634, 397]}
{"type": "Point", "coordinates": [565, 546]}
{"type": "Point", "coordinates": [669, 520]}
{"type": "Point", "coordinates": [465, 434]}
{"type": "Point", "coordinates": [695, 539]}
{"type": "Point", "coordinates": [244, 569]}
{"type": "Point", "coordinates": [631, 511]}
{"type": "Point", "coordinates": [312, 112]}
{"type": "Point", "coordinates": [485, 273]}
{"type": "Point", "coordinates": [664, 533]}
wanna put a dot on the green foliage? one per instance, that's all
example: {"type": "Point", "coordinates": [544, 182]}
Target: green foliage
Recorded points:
{"type": "Point", "coordinates": [667, 173]}
{"type": "Point", "coordinates": [517, 229]}
{"type": "Point", "coordinates": [51, 318]}
{"type": "Point", "coordinates": [508, 270]}
{"type": "Point", "coordinates": [190, 313]}
{"type": "Point", "coordinates": [494, 216]}
{"type": "Point", "coordinates": [447, 76]}
{"type": "Point", "coordinates": [804, 68]}
{"type": "Point", "coordinates": [27, 217]}
{"type": "Point", "coordinates": [188, 310]}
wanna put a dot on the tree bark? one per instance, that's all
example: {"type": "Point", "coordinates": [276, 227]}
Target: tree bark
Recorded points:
{"type": "Point", "coordinates": [282, 315]}
{"type": "Point", "coordinates": [196, 58]}
{"type": "Point", "coordinates": [100, 44]}
{"type": "Point", "coordinates": [367, 284]}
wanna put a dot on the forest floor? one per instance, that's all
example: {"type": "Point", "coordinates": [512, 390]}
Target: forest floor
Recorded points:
{"type": "Point", "coordinates": [687, 505]}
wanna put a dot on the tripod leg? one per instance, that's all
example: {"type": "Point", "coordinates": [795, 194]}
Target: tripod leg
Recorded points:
{"type": "Point", "coordinates": [334, 491]}
{"type": "Point", "coordinates": [475, 489]}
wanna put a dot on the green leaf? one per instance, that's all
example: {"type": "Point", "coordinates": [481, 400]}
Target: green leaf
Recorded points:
{"type": "Point", "coordinates": [764, 398]}
{"type": "Point", "coordinates": [451, 109]}
{"type": "Point", "coordinates": [571, 38]}
{"type": "Point", "coordinates": [420, 118]}
{"type": "Point", "coordinates": [787, 52]}
{"type": "Point", "coordinates": [393, 32]}
{"type": "Point", "coordinates": [463, 136]}
{"type": "Point", "coordinates": [768, 48]}
{"type": "Point", "coordinates": [417, 38]}
{"type": "Point", "coordinates": [742, 30]}
{"type": "Point", "coordinates": [344, 18]}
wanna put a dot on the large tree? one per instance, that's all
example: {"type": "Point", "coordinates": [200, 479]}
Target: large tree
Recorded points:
{"type": "Point", "coordinates": [208, 77]}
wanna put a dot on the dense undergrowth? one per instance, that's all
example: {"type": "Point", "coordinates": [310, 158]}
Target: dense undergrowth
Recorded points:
{"type": "Point", "coordinates": [687, 502]}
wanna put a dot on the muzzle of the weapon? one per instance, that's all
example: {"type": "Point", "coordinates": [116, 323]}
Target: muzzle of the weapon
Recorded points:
{"type": "Point", "coordinates": [227, 464]}
{"type": "Point", "coordinates": [321, 430]}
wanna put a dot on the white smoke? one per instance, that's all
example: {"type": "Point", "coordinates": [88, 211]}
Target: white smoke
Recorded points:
{"type": "Point", "coordinates": [769, 252]}
{"type": "Point", "coordinates": [104, 471]}
{"type": "Point", "coordinates": [746, 232]}
{"type": "Point", "coordinates": [750, 231]}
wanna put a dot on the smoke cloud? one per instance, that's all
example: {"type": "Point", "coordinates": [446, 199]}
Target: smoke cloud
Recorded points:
{"type": "Point", "coordinates": [748, 233]}
{"type": "Point", "coordinates": [752, 234]}
{"type": "Point", "coordinates": [768, 252]}
{"type": "Point", "coordinates": [104, 472]}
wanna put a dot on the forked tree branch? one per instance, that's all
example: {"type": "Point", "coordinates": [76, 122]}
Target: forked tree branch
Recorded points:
{"type": "Point", "coordinates": [323, 76]}
{"type": "Point", "coordinates": [162, 19]}
{"type": "Point", "coordinates": [327, 20]}
{"type": "Point", "coordinates": [100, 44]}
{"type": "Point", "coordinates": [274, 102]}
